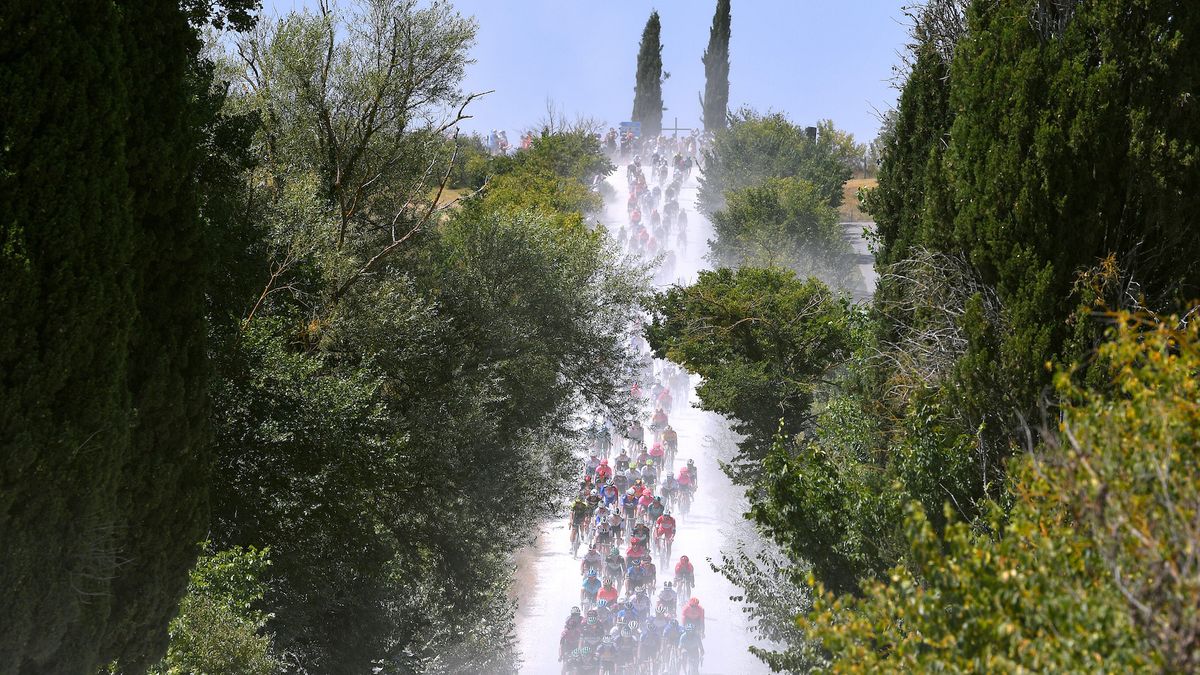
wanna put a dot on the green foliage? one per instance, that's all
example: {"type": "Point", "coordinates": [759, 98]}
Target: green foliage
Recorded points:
{"type": "Point", "coordinates": [105, 438]}
{"type": "Point", "coordinates": [68, 235]}
{"type": "Point", "coordinates": [400, 355]}
{"type": "Point", "coordinates": [761, 338]}
{"type": "Point", "coordinates": [552, 177]}
{"type": "Point", "coordinates": [471, 165]}
{"type": "Point", "coordinates": [647, 92]}
{"type": "Point", "coordinates": [827, 504]}
{"type": "Point", "coordinates": [912, 156]}
{"type": "Point", "coordinates": [758, 147]}
{"type": "Point", "coordinates": [714, 105]}
{"type": "Point", "coordinates": [774, 591]}
{"type": "Point", "coordinates": [782, 222]}
{"type": "Point", "coordinates": [219, 628]}
{"type": "Point", "coordinates": [1030, 597]}
{"type": "Point", "coordinates": [1093, 568]}
{"type": "Point", "coordinates": [1138, 507]}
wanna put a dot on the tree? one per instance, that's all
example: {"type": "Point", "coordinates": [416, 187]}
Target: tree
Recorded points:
{"type": "Point", "coordinates": [782, 222]}
{"type": "Point", "coordinates": [69, 309]}
{"type": "Point", "coordinates": [714, 104]}
{"type": "Point", "coordinates": [756, 147]}
{"type": "Point", "coordinates": [762, 338]}
{"type": "Point", "coordinates": [105, 434]}
{"type": "Point", "coordinates": [647, 93]}
{"type": "Point", "coordinates": [403, 349]}
{"type": "Point", "coordinates": [1095, 562]}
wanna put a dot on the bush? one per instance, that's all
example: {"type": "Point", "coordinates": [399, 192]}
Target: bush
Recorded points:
{"type": "Point", "coordinates": [782, 222]}
{"type": "Point", "coordinates": [219, 628]}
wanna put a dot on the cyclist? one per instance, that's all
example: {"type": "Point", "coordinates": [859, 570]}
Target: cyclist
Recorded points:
{"type": "Point", "coordinates": [608, 592]}
{"type": "Point", "coordinates": [591, 561]}
{"type": "Point", "coordinates": [609, 494]}
{"type": "Point", "coordinates": [669, 489]}
{"type": "Point", "coordinates": [644, 503]}
{"type": "Point", "coordinates": [633, 574]}
{"type": "Point", "coordinates": [670, 636]}
{"type": "Point", "coordinates": [623, 460]}
{"type": "Point", "coordinates": [693, 614]}
{"type": "Point", "coordinates": [637, 433]}
{"type": "Point", "coordinates": [691, 646]}
{"type": "Point", "coordinates": [589, 589]}
{"type": "Point", "coordinates": [621, 482]}
{"type": "Point", "coordinates": [614, 565]}
{"type": "Point", "coordinates": [616, 523]}
{"type": "Point", "coordinates": [606, 655]}
{"type": "Point", "coordinates": [659, 421]}
{"type": "Point", "coordinates": [651, 642]}
{"type": "Point", "coordinates": [664, 533]}
{"type": "Point", "coordinates": [650, 473]}
{"type": "Point", "coordinates": [685, 573]}
{"type": "Point", "coordinates": [603, 472]}
{"type": "Point", "coordinates": [642, 532]}
{"type": "Point", "coordinates": [656, 509]}
{"type": "Point", "coordinates": [686, 484]}
{"type": "Point", "coordinates": [668, 598]}
{"type": "Point", "coordinates": [691, 469]}
{"type": "Point", "coordinates": [650, 571]}
{"type": "Point", "coordinates": [579, 517]}
{"type": "Point", "coordinates": [656, 453]}
{"type": "Point", "coordinates": [629, 503]}
{"type": "Point", "coordinates": [604, 613]}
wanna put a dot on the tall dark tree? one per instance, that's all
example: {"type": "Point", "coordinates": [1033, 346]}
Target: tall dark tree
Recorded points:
{"type": "Point", "coordinates": [647, 94]}
{"type": "Point", "coordinates": [66, 239]}
{"type": "Point", "coordinates": [715, 103]}
{"type": "Point", "coordinates": [103, 481]}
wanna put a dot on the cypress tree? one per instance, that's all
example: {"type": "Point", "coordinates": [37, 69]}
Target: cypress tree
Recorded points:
{"type": "Point", "coordinates": [913, 148]}
{"type": "Point", "coordinates": [715, 103]}
{"type": "Point", "coordinates": [164, 500]}
{"type": "Point", "coordinates": [647, 94]}
{"type": "Point", "coordinates": [66, 241]}
{"type": "Point", "coordinates": [103, 474]}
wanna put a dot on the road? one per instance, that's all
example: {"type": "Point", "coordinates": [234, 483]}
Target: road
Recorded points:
{"type": "Point", "coordinates": [548, 577]}
{"type": "Point", "coordinates": [854, 233]}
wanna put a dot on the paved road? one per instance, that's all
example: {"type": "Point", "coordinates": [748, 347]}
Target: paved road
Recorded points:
{"type": "Point", "coordinates": [864, 259]}
{"type": "Point", "coordinates": [548, 577]}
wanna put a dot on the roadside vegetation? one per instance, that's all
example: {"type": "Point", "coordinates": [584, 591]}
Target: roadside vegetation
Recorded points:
{"type": "Point", "coordinates": [990, 467]}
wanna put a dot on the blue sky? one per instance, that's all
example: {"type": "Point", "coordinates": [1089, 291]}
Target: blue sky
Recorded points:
{"type": "Point", "coordinates": [812, 59]}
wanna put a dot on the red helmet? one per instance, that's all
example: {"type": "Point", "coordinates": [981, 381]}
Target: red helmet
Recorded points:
{"type": "Point", "coordinates": [693, 602]}
{"type": "Point", "coordinates": [683, 558]}
{"type": "Point", "coordinates": [604, 462]}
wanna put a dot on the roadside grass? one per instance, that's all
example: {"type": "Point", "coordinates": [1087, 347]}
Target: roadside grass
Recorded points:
{"type": "Point", "coordinates": [449, 195]}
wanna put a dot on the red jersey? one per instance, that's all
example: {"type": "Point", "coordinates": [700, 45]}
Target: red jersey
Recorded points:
{"type": "Point", "coordinates": [608, 593]}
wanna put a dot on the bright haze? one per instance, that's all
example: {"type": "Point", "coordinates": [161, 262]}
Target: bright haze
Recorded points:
{"type": "Point", "coordinates": [812, 59]}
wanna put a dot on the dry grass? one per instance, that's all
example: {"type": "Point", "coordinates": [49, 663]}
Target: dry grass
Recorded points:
{"type": "Point", "coordinates": [849, 211]}
{"type": "Point", "coordinates": [449, 195]}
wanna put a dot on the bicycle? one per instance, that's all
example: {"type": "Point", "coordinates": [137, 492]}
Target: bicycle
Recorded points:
{"type": "Point", "coordinates": [683, 591]}
{"type": "Point", "coordinates": [663, 545]}
{"type": "Point", "coordinates": [685, 502]}
{"type": "Point", "coordinates": [576, 539]}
